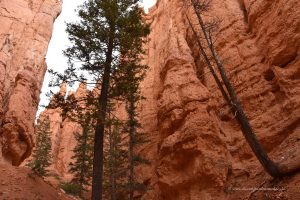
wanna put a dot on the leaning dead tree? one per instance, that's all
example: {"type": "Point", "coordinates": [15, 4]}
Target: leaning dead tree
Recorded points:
{"type": "Point", "coordinates": [212, 59]}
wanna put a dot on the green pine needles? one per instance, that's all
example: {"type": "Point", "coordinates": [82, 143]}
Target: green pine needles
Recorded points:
{"type": "Point", "coordinates": [41, 156]}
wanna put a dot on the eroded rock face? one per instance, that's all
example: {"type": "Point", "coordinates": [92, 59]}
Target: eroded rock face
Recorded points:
{"type": "Point", "coordinates": [26, 28]}
{"type": "Point", "coordinates": [196, 146]}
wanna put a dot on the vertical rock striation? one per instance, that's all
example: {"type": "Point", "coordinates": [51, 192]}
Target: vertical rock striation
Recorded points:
{"type": "Point", "coordinates": [26, 28]}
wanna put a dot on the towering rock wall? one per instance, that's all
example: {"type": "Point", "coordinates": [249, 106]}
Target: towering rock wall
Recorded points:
{"type": "Point", "coordinates": [197, 149]}
{"type": "Point", "coordinates": [26, 28]}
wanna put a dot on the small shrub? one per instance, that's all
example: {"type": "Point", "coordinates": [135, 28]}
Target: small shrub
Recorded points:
{"type": "Point", "coordinates": [71, 188]}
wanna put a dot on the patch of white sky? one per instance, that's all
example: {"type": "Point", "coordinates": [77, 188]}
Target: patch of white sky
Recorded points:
{"type": "Point", "coordinates": [55, 59]}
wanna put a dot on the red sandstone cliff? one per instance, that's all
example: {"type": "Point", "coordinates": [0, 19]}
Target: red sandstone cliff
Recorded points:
{"type": "Point", "coordinates": [26, 28]}
{"type": "Point", "coordinates": [197, 147]}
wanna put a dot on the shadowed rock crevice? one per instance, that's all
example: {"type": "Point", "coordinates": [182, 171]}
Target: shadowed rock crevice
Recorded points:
{"type": "Point", "coordinates": [244, 10]}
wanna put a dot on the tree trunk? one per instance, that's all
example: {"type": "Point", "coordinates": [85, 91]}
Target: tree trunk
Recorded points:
{"type": "Point", "coordinates": [99, 132]}
{"type": "Point", "coordinates": [210, 66]}
{"type": "Point", "coordinates": [130, 149]}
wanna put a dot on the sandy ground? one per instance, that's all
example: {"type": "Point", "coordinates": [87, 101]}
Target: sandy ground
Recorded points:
{"type": "Point", "coordinates": [19, 183]}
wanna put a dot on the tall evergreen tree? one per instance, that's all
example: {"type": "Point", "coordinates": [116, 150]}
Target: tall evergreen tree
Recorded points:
{"type": "Point", "coordinates": [134, 140]}
{"type": "Point", "coordinates": [107, 30]}
{"type": "Point", "coordinates": [128, 88]}
{"type": "Point", "coordinates": [41, 157]}
{"type": "Point", "coordinates": [83, 154]}
{"type": "Point", "coordinates": [116, 157]}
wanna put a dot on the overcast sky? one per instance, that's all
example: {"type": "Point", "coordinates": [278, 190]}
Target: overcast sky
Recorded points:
{"type": "Point", "coordinates": [59, 42]}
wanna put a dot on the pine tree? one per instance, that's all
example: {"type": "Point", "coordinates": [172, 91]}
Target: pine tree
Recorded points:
{"type": "Point", "coordinates": [116, 157]}
{"type": "Point", "coordinates": [107, 30]}
{"type": "Point", "coordinates": [41, 157]}
{"type": "Point", "coordinates": [128, 88]}
{"type": "Point", "coordinates": [83, 154]}
{"type": "Point", "coordinates": [136, 138]}
{"type": "Point", "coordinates": [133, 158]}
